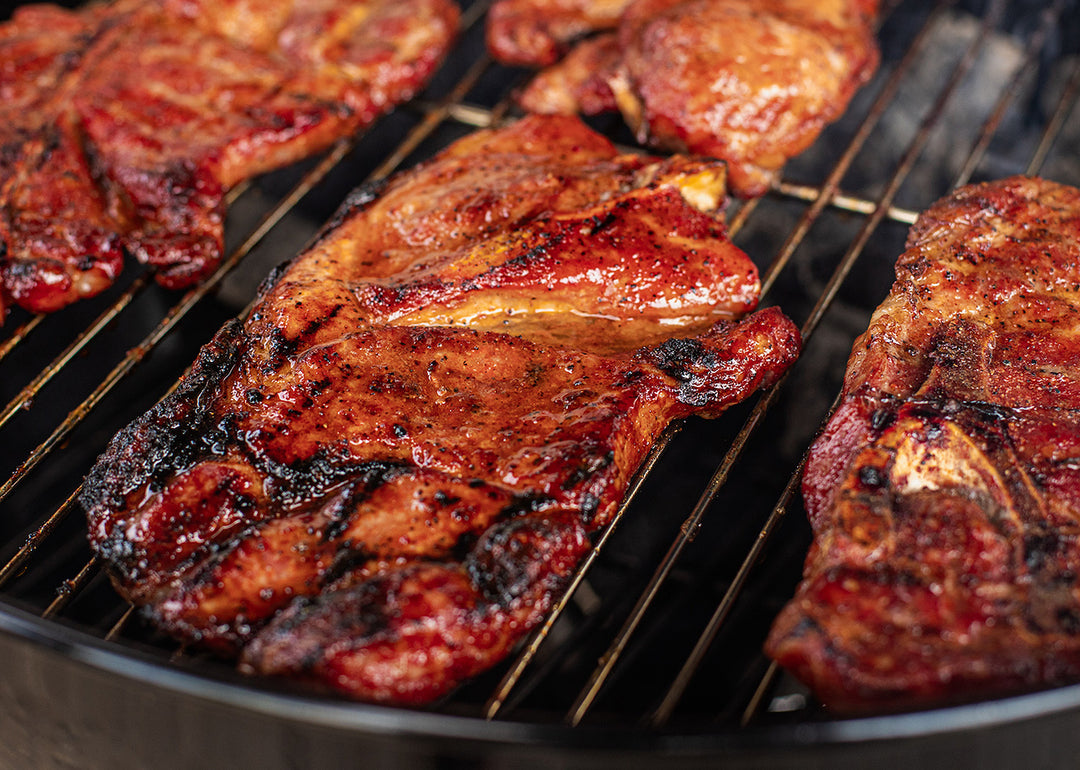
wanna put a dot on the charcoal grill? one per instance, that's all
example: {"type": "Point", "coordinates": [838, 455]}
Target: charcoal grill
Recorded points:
{"type": "Point", "coordinates": [655, 655]}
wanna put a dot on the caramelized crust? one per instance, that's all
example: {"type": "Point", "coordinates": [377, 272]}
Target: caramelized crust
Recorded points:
{"type": "Point", "coordinates": [537, 34]}
{"type": "Point", "coordinates": [748, 81]}
{"type": "Point", "coordinates": [753, 83]}
{"type": "Point", "coordinates": [580, 83]}
{"type": "Point", "coordinates": [541, 230]}
{"type": "Point", "coordinates": [944, 492]}
{"type": "Point", "coordinates": [373, 485]}
{"type": "Point", "coordinates": [125, 124]}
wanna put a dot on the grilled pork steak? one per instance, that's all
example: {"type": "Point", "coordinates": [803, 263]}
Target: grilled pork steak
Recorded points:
{"type": "Point", "coordinates": [748, 81]}
{"type": "Point", "coordinates": [383, 478]}
{"type": "Point", "coordinates": [944, 492]}
{"type": "Point", "coordinates": [122, 126]}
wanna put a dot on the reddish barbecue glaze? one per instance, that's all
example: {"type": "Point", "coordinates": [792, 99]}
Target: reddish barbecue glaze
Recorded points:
{"type": "Point", "coordinates": [383, 478]}
{"type": "Point", "coordinates": [124, 125]}
{"type": "Point", "coordinates": [753, 82]}
{"type": "Point", "coordinates": [945, 492]}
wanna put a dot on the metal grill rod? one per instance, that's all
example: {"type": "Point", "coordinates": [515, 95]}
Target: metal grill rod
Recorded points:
{"type": "Point", "coordinates": [16, 562]}
{"type": "Point", "coordinates": [432, 119]}
{"type": "Point", "coordinates": [70, 587]}
{"type": "Point", "coordinates": [1057, 122]}
{"type": "Point", "coordinates": [828, 194]}
{"type": "Point", "coordinates": [1036, 43]}
{"type": "Point", "coordinates": [754, 706]}
{"type": "Point", "coordinates": [118, 627]}
{"type": "Point", "coordinates": [30, 391]}
{"type": "Point", "coordinates": [843, 202]}
{"type": "Point", "coordinates": [20, 333]}
{"type": "Point", "coordinates": [682, 680]}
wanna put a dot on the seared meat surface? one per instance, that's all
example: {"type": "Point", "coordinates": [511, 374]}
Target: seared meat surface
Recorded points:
{"type": "Point", "coordinates": [580, 83]}
{"type": "Point", "coordinates": [944, 493]}
{"type": "Point", "coordinates": [383, 477]}
{"type": "Point", "coordinates": [751, 81]}
{"type": "Point", "coordinates": [124, 125]}
{"type": "Point", "coordinates": [536, 34]}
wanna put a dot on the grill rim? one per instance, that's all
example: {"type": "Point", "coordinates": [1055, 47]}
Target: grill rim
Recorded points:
{"type": "Point", "coordinates": [361, 720]}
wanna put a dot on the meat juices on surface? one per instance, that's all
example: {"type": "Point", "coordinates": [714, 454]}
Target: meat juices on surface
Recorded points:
{"type": "Point", "coordinates": [384, 477]}
{"type": "Point", "coordinates": [125, 124]}
{"type": "Point", "coordinates": [753, 82]}
{"type": "Point", "coordinates": [944, 494]}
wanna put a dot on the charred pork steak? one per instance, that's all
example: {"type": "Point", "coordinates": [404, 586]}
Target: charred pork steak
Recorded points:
{"type": "Point", "coordinates": [384, 477]}
{"type": "Point", "coordinates": [944, 494]}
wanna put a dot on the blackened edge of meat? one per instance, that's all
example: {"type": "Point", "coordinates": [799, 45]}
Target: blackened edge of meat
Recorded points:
{"type": "Point", "coordinates": [674, 357]}
{"type": "Point", "coordinates": [513, 558]}
{"type": "Point", "coordinates": [329, 639]}
{"type": "Point", "coordinates": [693, 362]}
{"type": "Point", "coordinates": [169, 436]}
{"type": "Point", "coordinates": [272, 279]}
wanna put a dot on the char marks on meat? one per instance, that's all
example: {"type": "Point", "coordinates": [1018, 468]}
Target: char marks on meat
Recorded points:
{"type": "Point", "coordinates": [384, 477]}
{"type": "Point", "coordinates": [944, 493]}
{"type": "Point", "coordinates": [123, 125]}
{"type": "Point", "coordinates": [751, 81]}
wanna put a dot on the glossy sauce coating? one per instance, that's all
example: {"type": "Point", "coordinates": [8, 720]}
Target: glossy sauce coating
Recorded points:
{"type": "Point", "coordinates": [352, 488]}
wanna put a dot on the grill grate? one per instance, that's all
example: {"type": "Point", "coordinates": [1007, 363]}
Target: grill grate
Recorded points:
{"type": "Point", "coordinates": [677, 595]}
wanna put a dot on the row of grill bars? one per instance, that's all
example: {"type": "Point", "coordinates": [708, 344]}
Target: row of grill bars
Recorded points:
{"type": "Point", "coordinates": [452, 108]}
